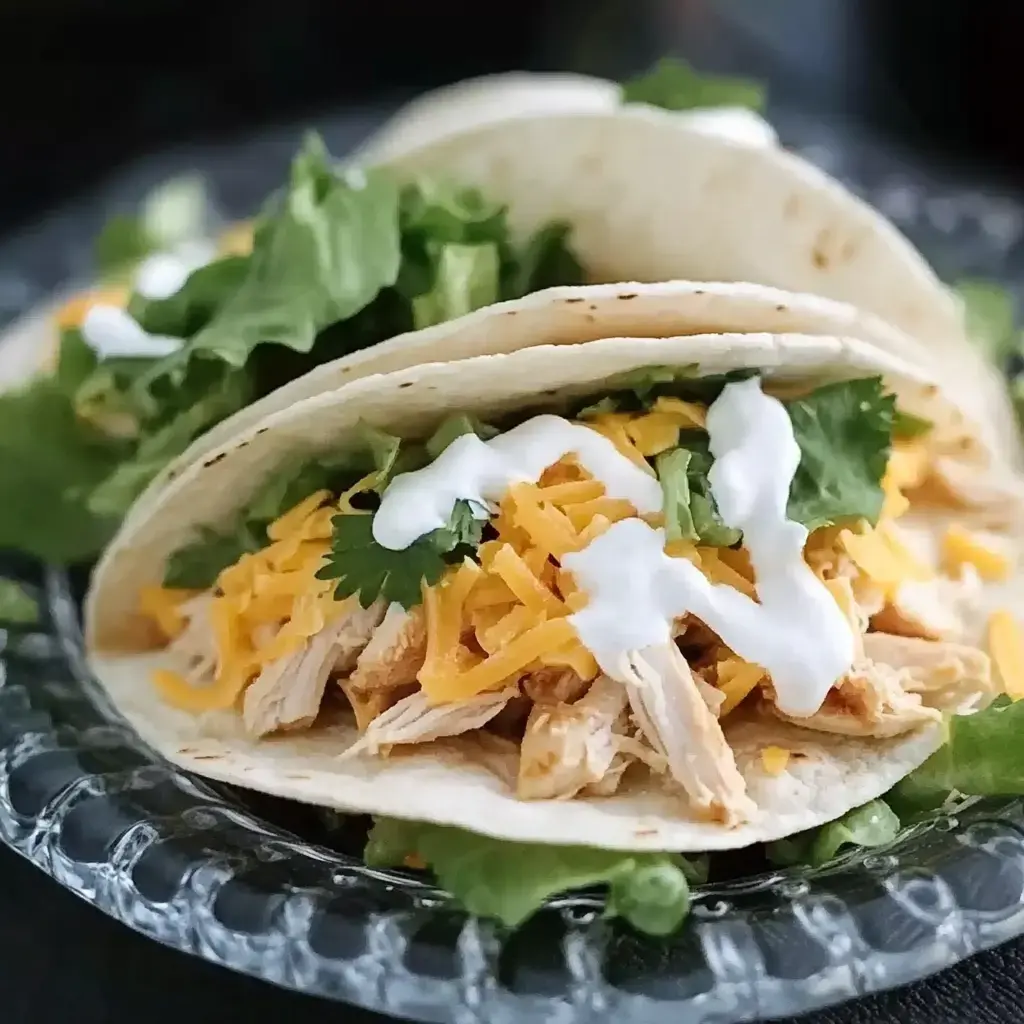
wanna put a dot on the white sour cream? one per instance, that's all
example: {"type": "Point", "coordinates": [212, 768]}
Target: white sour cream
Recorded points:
{"type": "Point", "coordinates": [738, 124]}
{"type": "Point", "coordinates": [797, 632]}
{"type": "Point", "coordinates": [162, 275]}
{"type": "Point", "coordinates": [111, 333]}
{"type": "Point", "coordinates": [481, 472]}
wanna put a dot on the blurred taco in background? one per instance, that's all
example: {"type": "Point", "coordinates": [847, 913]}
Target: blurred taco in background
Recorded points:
{"type": "Point", "coordinates": [561, 615]}
{"type": "Point", "coordinates": [149, 379]}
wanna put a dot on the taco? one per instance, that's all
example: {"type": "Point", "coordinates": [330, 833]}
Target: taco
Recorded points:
{"type": "Point", "coordinates": [687, 594]}
{"type": "Point", "coordinates": [343, 259]}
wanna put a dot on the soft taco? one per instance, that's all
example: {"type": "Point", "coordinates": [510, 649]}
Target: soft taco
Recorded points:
{"type": "Point", "coordinates": [687, 594]}
{"type": "Point", "coordinates": [182, 354]}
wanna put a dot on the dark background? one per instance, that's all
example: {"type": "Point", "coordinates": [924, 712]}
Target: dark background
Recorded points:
{"type": "Point", "coordinates": [88, 85]}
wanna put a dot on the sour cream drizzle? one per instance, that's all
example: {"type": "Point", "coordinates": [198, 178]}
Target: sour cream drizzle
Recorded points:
{"type": "Point", "coordinates": [481, 472]}
{"type": "Point", "coordinates": [797, 633]}
{"type": "Point", "coordinates": [162, 274]}
{"type": "Point", "coordinates": [111, 332]}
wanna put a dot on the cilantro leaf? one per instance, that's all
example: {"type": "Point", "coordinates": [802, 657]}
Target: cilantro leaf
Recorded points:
{"type": "Point", "coordinates": [844, 431]}
{"type": "Point", "coordinates": [675, 85]}
{"type": "Point", "coordinates": [17, 605]}
{"type": "Point", "coordinates": [362, 566]}
{"type": "Point", "coordinates": [873, 824]}
{"type": "Point", "coordinates": [509, 881]}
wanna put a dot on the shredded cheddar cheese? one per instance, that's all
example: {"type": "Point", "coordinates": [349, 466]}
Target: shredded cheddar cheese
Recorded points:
{"type": "Point", "coordinates": [1006, 648]}
{"type": "Point", "coordinates": [775, 760]}
{"type": "Point", "coordinates": [736, 680]}
{"type": "Point", "coordinates": [74, 311]}
{"type": "Point", "coordinates": [960, 547]}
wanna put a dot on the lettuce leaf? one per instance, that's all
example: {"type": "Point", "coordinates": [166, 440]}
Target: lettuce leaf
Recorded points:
{"type": "Point", "coordinates": [989, 314]}
{"type": "Point", "coordinates": [49, 462]}
{"type": "Point", "coordinates": [981, 757]}
{"type": "Point", "coordinates": [341, 260]}
{"type": "Point", "coordinates": [509, 881]}
{"type": "Point", "coordinates": [674, 85]}
{"type": "Point", "coordinates": [873, 824]}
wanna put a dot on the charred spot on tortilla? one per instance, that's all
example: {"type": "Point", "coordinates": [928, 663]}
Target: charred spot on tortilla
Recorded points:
{"type": "Point", "coordinates": [780, 308]}
{"type": "Point", "coordinates": [405, 384]}
{"type": "Point", "coordinates": [627, 296]}
{"type": "Point", "coordinates": [574, 299]}
{"type": "Point", "coordinates": [217, 458]}
{"type": "Point", "coordinates": [262, 430]}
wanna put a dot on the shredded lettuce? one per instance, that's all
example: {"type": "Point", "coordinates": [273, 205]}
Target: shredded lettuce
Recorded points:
{"type": "Point", "coordinates": [341, 260]}
{"type": "Point", "coordinates": [989, 314]}
{"type": "Point", "coordinates": [177, 211]}
{"type": "Point", "coordinates": [874, 824]}
{"type": "Point", "coordinates": [981, 757]}
{"type": "Point", "coordinates": [509, 881]}
{"type": "Point", "coordinates": [17, 605]}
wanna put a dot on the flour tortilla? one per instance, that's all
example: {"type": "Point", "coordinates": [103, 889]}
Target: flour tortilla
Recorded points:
{"type": "Point", "coordinates": [570, 316]}
{"type": "Point", "coordinates": [650, 199]}
{"type": "Point", "coordinates": [449, 782]}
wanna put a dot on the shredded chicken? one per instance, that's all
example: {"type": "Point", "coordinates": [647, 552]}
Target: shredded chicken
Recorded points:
{"type": "Point", "coordinates": [871, 701]}
{"type": "Point", "coordinates": [675, 718]}
{"type": "Point", "coordinates": [415, 720]}
{"type": "Point", "coordinates": [953, 672]}
{"type": "Point", "coordinates": [554, 685]}
{"type": "Point", "coordinates": [568, 748]}
{"type": "Point", "coordinates": [195, 647]}
{"type": "Point", "coordinates": [938, 609]}
{"type": "Point", "coordinates": [387, 665]}
{"type": "Point", "coordinates": [288, 693]}
{"type": "Point", "coordinates": [994, 499]}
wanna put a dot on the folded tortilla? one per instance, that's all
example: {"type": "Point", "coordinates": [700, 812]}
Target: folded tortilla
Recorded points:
{"type": "Point", "coordinates": [467, 780]}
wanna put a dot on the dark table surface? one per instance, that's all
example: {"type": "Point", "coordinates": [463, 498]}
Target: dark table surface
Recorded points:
{"type": "Point", "coordinates": [63, 962]}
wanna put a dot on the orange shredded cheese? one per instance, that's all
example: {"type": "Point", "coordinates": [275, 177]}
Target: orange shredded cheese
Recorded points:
{"type": "Point", "coordinates": [774, 760]}
{"type": "Point", "coordinates": [1006, 648]}
{"type": "Point", "coordinates": [736, 680]}
{"type": "Point", "coordinates": [960, 547]}
{"type": "Point", "coordinates": [74, 311]}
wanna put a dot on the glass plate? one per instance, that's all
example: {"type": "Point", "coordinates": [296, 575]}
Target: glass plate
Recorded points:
{"type": "Point", "coordinates": [260, 886]}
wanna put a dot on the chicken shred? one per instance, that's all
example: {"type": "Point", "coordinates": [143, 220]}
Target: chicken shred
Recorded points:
{"type": "Point", "coordinates": [874, 699]}
{"type": "Point", "coordinates": [195, 646]}
{"type": "Point", "coordinates": [571, 748]}
{"type": "Point", "coordinates": [553, 685]}
{"type": "Point", "coordinates": [415, 720]}
{"type": "Point", "coordinates": [388, 664]}
{"type": "Point", "coordinates": [288, 693]}
{"type": "Point", "coordinates": [934, 668]}
{"type": "Point", "coordinates": [676, 720]}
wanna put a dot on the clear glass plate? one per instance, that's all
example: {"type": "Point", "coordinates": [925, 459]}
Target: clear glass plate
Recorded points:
{"type": "Point", "coordinates": [269, 889]}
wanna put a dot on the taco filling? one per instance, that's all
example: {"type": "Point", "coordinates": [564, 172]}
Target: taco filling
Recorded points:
{"type": "Point", "coordinates": [603, 598]}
